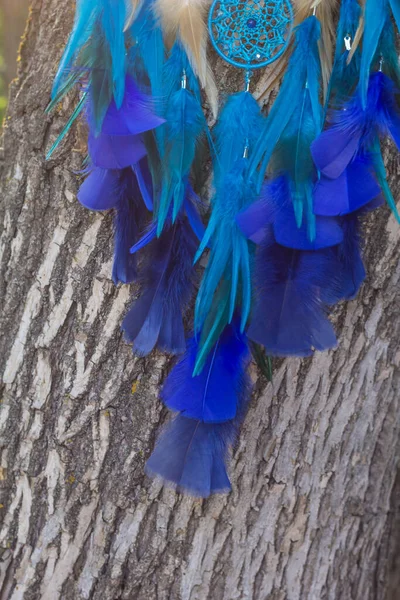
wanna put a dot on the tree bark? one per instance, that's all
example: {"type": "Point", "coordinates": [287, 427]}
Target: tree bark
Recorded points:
{"type": "Point", "coordinates": [315, 507]}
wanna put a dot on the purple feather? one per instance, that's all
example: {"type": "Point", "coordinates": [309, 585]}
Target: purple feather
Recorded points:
{"type": "Point", "coordinates": [275, 207]}
{"type": "Point", "coordinates": [135, 116]}
{"type": "Point", "coordinates": [352, 190]}
{"type": "Point", "coordinates": [355, 130]}
{"type": "Point", "coordinates": [129, 220]}
{"type": "Point", "coordinates": [212, 396]}
{"type": "Point", "coordinates": [156, 318]}
{"type": "Point", "coordinates": [289, 317]}
{"type": "Point", "coordinates": [115, 151]}
{"type": "Point", "coordinates": [192, 456]}
{"type": "Point", "coordinates": [119, 143]}
{"type": "Point", "coordinates": [350, 270]}
{"type": "Point", "coordinates": [100, 190]}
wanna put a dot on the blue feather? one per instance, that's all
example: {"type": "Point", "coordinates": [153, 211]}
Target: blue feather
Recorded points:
{"type": "Point", "coordinates": [376, 15]}
{"type": "Point", "coordinates": [229, 256]}
{"type": "Point", "coordinates": [86, 16]}
{"type": "Point", "coordinates": [387, 50]}
{"type": "Point", "coordinates": [212, 396]}
{"type": "Point", "coordinates": [237, 127]}
{"type": "Point", "coordinates": [379, 42]}
{"type": "Point", "coordinates": [148, 44]}
{"type": "Point", "coordinates": [345, 75]}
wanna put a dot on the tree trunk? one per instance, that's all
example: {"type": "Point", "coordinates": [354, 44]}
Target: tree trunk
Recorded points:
{"type": "Point", "coordinates": [315, 508]}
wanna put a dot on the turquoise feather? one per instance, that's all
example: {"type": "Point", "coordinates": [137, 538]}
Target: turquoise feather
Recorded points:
{"type": "Point", "coordinates": [345, 75]}
{"type": "Point", "coordinates": [185, 125]}
{"type": "Point", "coordinates": [378, 30]}
{"type": "Point", "coordinates": [226, 286]}
{"type": "Point", "coordinates": [96, 49]}
{"type": "Point", "coordinates": [294, 122]}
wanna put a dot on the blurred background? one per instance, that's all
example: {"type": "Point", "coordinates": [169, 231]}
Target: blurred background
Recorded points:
{"type": "Point", "coordinates": [13, 16]}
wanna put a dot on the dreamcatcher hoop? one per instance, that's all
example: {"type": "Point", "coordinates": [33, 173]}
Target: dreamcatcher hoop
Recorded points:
{"type": "Point", "coordinates": [250, 34]}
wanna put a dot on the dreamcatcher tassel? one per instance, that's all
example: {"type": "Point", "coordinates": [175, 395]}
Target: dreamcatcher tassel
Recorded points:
{"type": "Point", "coordinates": [118, 114]}
{"type": "Point", "coordinates": [283, 249]}
{"type": "Point", "coordinates": [192, 452]}
{"type": "Point", "coordinates": [293, 123]}
{"type": "Point", "coordinates": [355, 134]}
{"type": "Point", "coordinates": [185, 126]}
{"type": "Point", "coordinates": [227, 279]}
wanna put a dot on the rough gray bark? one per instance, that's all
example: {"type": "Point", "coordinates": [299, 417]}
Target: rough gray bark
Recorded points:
{"type": "Point", "coordinates": [314, 511]}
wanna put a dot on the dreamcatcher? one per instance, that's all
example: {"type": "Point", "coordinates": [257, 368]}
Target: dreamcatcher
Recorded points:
{"type": "Point", "coordinates": [289, 189]}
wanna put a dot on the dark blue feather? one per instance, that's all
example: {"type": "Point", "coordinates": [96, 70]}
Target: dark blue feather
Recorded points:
{"type": "Point", "coordinates": [349, 192]}
{"type": "Point", "coordinates": [167, 276]}
{"type": "Point", "coordinates": [129, 220]}
{"type": "Point", "coordinates": [349, 270]}
{"type": "Point", "coordinates": [192, 456]}
{"type": "Point", "coordinates": [289, 316]}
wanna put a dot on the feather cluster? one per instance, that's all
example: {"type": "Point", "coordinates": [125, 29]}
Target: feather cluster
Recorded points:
{"type": "Point", "coordinates": [192, 452]}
